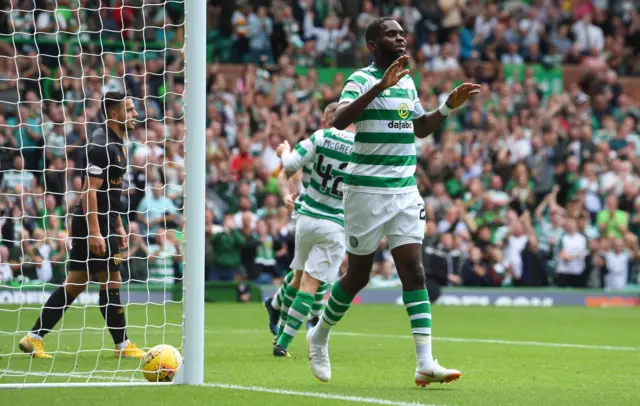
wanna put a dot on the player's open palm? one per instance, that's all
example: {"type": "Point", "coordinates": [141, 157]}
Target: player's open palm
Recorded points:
{"type": "Point", "coordinates": [97, 245]}
{"type": "Point", "coordinates": [394, 72]}
{"type": "Point", "coordinates": [461, 94]}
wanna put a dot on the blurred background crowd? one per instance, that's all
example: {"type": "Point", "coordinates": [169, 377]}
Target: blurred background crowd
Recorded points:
{"type": "Point", "coordinates": [534, 183]}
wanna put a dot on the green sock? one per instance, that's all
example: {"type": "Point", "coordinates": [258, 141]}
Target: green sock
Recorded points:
{"type": "Point", "coordinates": [337, 305]}
{"type": "Point", "coordinates": [276, 302]}
{"type": "Point", "coordinates": [419, 310]}
{"type": "Point", "coordinates": [297, 314]}
{"type": "Point", "coordinates": [287, 300]}
{"type": "Point", "coordinates": [318, 300]}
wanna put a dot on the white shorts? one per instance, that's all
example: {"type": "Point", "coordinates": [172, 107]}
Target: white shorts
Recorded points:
{"type": "Point", "coordinates": [368, 217]}
{"type": "Point", "coordinates": [320, 248]}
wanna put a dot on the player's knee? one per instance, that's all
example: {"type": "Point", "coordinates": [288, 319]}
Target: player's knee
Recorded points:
{"type": "Point", "coordinates": [414, 274]}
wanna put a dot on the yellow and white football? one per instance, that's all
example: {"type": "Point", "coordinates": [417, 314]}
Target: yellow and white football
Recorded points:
{"type": "Point", "coordinates": [161, 363]}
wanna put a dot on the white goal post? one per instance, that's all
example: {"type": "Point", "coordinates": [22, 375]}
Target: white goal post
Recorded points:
{"type": "Point", "coordinates": [162, 312]}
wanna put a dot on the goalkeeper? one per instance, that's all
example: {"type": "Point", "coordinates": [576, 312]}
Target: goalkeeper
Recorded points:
{"type": "Point", "coordinates": [97, 233]}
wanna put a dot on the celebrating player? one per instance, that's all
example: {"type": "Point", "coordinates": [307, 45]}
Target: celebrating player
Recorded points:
{"type": "Point", "coordinates": [97, 233]}
{"type": "Point", "coordinates": [320, 244]}
{"type": "Point", "coordinates": [380, 193]}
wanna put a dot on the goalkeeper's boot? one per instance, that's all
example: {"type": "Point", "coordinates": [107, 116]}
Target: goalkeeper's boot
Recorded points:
{"type": "Point", "coordinates": [130, 351]}
{"type": "Point", "coordinates": [33, 346]}
{"type": "Point", "coordinates": [312, 322]}
{"type": "Point", "coordinates": [280, 351]}
{"type": "Point", "coordinates": [318, 357]}
{"type": "Point", "coordinates": [435, 373]}
{"type": "Point", "coordinates": [274, 316]}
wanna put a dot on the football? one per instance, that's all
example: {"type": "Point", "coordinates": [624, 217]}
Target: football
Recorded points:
{"type": "Point", "coordinates": [161, 363]}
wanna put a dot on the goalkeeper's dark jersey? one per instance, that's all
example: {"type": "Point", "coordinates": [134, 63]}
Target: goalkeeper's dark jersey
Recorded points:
{"type": "Point", "coordinates": [107, 159]}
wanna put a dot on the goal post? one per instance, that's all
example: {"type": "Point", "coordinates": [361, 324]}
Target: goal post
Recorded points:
{"type": "Point", "coordinates": [195, 143]}
{"type": "Point", "coordinates": [55, 65]}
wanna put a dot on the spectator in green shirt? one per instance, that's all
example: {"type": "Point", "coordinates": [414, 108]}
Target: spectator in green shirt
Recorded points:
{"type": "Point", "coordinates": [612, 222]}
{"type": "Point", "coordinates": [227, 249]}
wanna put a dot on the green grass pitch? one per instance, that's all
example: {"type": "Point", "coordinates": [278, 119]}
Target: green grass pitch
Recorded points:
{"type": "Point", "coordinates": [508, 356]}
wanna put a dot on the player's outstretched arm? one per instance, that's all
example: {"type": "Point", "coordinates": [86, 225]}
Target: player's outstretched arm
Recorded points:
{"type": "Point", "coordinates": [430, 122]}
{"type": "Point", "coordinates": [347, 112]}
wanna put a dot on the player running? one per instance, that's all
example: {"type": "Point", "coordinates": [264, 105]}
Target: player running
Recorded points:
{"type": "Point", "coordinates": [280, 303]}
{"type": "Point", "coordinates": [319, 237]}
{"type": "Point", "coordinates": [97, 234]}
{"type": "Point", "coordinates": [380, 193]}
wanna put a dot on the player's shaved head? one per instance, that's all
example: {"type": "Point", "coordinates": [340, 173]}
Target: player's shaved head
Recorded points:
{"type": "Point", "coordinates": [375, 28]}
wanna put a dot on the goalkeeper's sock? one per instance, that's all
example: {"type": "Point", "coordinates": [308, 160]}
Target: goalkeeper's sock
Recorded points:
{"type": "Point", "coordinates": [419, 310]}
{"type": "Point", "coordinates": [318, 300]}
{"type": "Point", "coordinates": [287, 301]}
{"type": "Point", "coordinates": [337, 305]}
{"type": "Point", "coordinates": [52, 312]}
{"type": "Point", "coordinates": [297, 314]}
{"type": "Point", "coordinates": [276, 301]}
{"type": "Point", "coordinates": [113, 314]}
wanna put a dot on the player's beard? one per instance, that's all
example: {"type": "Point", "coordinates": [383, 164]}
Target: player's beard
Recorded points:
{"type": "Point", "coordinates": [390, 54]}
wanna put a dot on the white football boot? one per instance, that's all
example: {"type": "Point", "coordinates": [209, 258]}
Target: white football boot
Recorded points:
{"type": "Point", "coordinates": [435, 373]}
{"type": "Point", "coordinates": [318, 357]}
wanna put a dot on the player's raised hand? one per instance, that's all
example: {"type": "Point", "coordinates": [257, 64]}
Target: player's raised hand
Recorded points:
{"type": "Point", "coordinates": [461, 94]}
{"type": "Point", "coordinates": [395, 72]}
{"type": "Point", "coordinates": [97, 245]}
{"type": "Point", "coordinates": [283, 148]}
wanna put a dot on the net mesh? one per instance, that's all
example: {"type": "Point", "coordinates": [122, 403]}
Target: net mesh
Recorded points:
{"type": "Point", "coordinates": [57, 60]}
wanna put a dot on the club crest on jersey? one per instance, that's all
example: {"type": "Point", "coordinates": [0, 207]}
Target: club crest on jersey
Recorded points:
{"type": "Point", "coordinates": [403, 111]}
{"type": "Point", "coordinates": [116, 259]}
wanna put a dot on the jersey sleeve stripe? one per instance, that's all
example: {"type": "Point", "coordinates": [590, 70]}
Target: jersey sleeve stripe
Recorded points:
{"type": "Point", "coordinates": [388, 115]}
{"type": "Point", "coordinates": [380, 182]}
{"type": "Point", "coordinates": [384, 160]}
{"type": "Point", "coordinates": [306, 169]}
{"type": "Point", "coordinates": [330, 153]}
{"type": "Point", "coordinates": [358, 78]}
{"type": "Point", "coordinates": [300, 150]}
{"type": "Point", "coordinates": [349, 95]}
{"type": "Point", "coordinates": [385, 138]}
{"type": "Point", "coordinates": [321, 207]}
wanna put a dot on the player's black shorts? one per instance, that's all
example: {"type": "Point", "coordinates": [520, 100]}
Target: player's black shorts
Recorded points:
{"type": "Point", "coordinates": [82, 259]}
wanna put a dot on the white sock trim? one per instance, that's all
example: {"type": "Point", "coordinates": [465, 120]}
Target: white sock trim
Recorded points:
{"type": "Point", "coordinates": [122, 345]}
{"type": "Point", "coordinates": [34, 336]}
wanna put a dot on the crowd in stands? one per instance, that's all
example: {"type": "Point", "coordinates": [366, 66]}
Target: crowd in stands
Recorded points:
{"type": "Point", "coordinates": [524, 186]}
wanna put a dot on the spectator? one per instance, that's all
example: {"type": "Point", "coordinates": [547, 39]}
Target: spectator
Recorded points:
{"type": "Point", "coordinates": [613, 222]}
{"type": "Point", "coordinates": [477, 272]}
{"type": "Point", "coordinates": [227, 249]}
{"type": "Point", "coordinates": [617, 261]}
{"type": "Point", "coordinates": [260, 28]}
{"type": "Point", "coordinates": [571, 257]}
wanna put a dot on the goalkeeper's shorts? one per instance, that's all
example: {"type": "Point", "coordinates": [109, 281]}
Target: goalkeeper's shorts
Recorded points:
{"type": "Point", "coordinates": [82, 259]}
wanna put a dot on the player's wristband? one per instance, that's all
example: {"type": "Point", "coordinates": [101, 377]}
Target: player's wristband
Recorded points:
{"type": "Point", "coordinates": [444, 109]}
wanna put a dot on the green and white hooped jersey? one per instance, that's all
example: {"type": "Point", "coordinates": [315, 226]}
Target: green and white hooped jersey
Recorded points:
{"type": "Point", "coordinates": [323, 157]}
{"type": "Point", "coordinates": [384, 154]}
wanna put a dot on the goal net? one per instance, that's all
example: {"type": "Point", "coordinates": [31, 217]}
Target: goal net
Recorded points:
{"type": "Point", "coordinates": [58, 58]}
